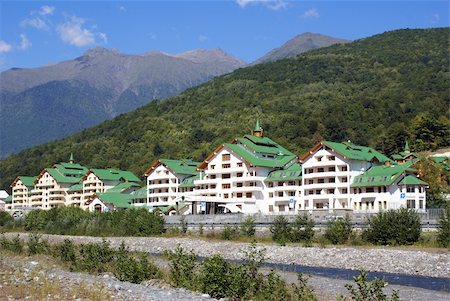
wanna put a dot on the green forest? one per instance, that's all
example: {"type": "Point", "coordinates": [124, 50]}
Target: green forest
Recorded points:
{"type": "Point", "coordinates": [378, 91]}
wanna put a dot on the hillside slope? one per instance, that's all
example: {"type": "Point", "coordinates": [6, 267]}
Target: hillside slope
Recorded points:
{"type": "Point", "coordinates": [97, 86]}
{"type": "Point", "coordinates": [376, 91]}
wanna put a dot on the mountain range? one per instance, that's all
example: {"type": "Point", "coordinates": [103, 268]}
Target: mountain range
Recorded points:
{"type": "Point", "coordinates": [42, 104]}
{"type": "Point", "coordinates": [378, 91]}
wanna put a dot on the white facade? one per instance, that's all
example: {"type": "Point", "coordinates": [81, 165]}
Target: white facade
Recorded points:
{"type": "Point", "coordinates": [20, 195]}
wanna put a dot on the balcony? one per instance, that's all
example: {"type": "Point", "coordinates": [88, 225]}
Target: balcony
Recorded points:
{"type": "Point", "coordinates": [163, 185]}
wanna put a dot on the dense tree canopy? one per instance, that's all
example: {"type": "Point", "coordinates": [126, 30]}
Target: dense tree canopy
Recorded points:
{"type": "Point", "coordinates": [376, 91]}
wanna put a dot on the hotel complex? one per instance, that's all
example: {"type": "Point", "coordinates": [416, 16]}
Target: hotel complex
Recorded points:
{"type": "Point", "coordinates": [252, 174]}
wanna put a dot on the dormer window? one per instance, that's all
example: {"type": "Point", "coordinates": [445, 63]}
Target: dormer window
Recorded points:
{"type": "Point", "coordinates": [226, 157]}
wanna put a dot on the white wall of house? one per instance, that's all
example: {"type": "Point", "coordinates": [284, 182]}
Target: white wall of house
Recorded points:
{"type": "Point", "coordinates": [20, 195]}
{"type": "Point", "coordinates": [162, 186]}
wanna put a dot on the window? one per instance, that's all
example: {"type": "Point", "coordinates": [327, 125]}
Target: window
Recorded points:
{"type": "Point", "coordinates": [213, 166]}
{"type": "Point", "coordinates": [344, 180]}
{"type": "Point", "coordinates": [310, 192]}
{"type": "Point", "coordinates": [280, 183]}
{"type": "Point", "coordinates": [331, 180]}
{"type": "Point", "coordinates": [213, 186]}
{"type": "Point", "coordinates": [370, 189]}
{"type": "Point", "coordinates": [226, 186]}
{"type": "Point", "coordinates": [320, 180]}
{"type": "Point", "coordinates": [291, 193]}
{"type": "Point", "coordinates": [270, 208]}
{"type": "Point", "coordinates": [319, 205]}
{"type": "Point", "coordinates": [344, 168]}
{"type": "Point", "coordinates": [270, 184]}
{"type": "Point", "coordinates": [280, 193]}
{"type": "Point", "coordinates": [225, 195]}
{"type": "Point", "coordinates": [330, 191]}
{"type": "Point", "coordinates": [212, 177]}
{"type": "Point", "coordinates": [310, 170]}
{"type": "Point", "coordinates": [310, 181]}
{"type": "Point", "coordinates": [331, 158]}
{"type": "Point", "coordinates": [239, 164]}
{"type": "Point", "coordinates": [291, 183]}
{"type": "Point", "coordinates": [410, 188]}
{"type": "Point", "coordinates": [344, 190]}
{"type": "Point", "coordinates": [421, 204]}
{"type": "Point", "coordinates": [281, 208]}
{"type": "Point", "coordinates": [226, 176]}
{"type": "Point", "coordinates": [410, 204]}
{"type": "Point", "coordinates": [319, 158]}
{"type": "Point", "coordinates": [248, 195]}
{"type": "Point", "coordinates": [226, 165]}
{"type": "Point", "coordinates": [239, 184]}
{"type": "Point", "coordinates": [226, 157]}
{"type": "Point", "coordinates": [239, 195]}
{"type": "Point", "coordinates": [318, 191]}
{"type": "Point", "coordinates": [270, 194]}
{"type": "Point", "coordinates": [320, 169]}
{"type": "Point", "coordinates": [239, 175]}
{"type": "Point", "coordinates": [331, 168]}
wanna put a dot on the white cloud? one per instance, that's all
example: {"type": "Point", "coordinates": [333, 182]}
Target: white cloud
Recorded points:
{"type": "Point", "coordinates": [36, 22]}
{"type": "Point", "coordinates": [24, 42]}
{"type": "Point", "coordinates": [122, 8]}
{"type": "Point", "coordinates": [202, 38]}
{"type": "Point", "coordinates": [5, 47]}
{"type": "Point", "coordinates": [103, 37]}
{"type": "Point", "coordinates": [311, 13]}
{"type": "Point", "coordinates": [272, 4]}
{"type": "Point", "coordinates": [72, 32]}
{"type": "Point", "coordinates": [46, 10]}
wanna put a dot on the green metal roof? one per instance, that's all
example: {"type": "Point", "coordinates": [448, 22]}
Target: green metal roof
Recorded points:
{"type": "Point", "coordinates": [71, 169]}
{"type": "Point", "coordinates": [27, 181]}
{"type": "Point", "coordinates": [403, 155]}
{"type": "Point", "coordinates": [381, 175]}
{"type": "Point", "coordinates": [119, 200]}
{"type": "Point", "coordinates": [8, 200]}
{"type": "Point", "coordinates": [62, 178]}
{"type": "Point", "coordinates": [189, 182]}
{"type": "Point", "coordinates": [140, 193]}
{"type": "Point", "coordinates": [357, 152]}
{"type": "Point", "coordinates": [122, 187]}
{"type": "Point", "coordinates": [113, 174]}
{"type": "Point", "coordinates": [76, 187]}
{"type": "Point", "coordinates": [412, 180]}
{"type": "Point", "coordinates": [443, 162]}
{"type": "Point", "coordinates": [292, 173]}
{"type": "Point", "coordinates": [181, 167]}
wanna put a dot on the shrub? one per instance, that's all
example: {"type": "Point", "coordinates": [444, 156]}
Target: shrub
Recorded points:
{"type": "Point", "coordinates": [5, 218]}
{"type": "Point", "coordinates": [36, 220]}
{"type": "Point", "coordinates": [66, 252]}
{"type": "Point", "coordinates": [247, 227]}
{"type": "Point", "coordinates": [94, 257]}
{"type": "Point", "coordinates": [229, 233]}
{"type": "Point", "coordinates": [14, 245]}
{"type": "Point", "coordinates": [215, 276]}
{"type": "Point", "coordinates": [443, 237]}
{"type": "Point", "coordinates": [400, 227]}
{"type": "Point", "coordinates": [274, 289]}
{"type": "Point", "coordinates": [280, 230]}
{"type": "Point", "coordinates": [37, 245]}
{"type": "Point", "coordinates": [302, 229]}
{"type": "Point", "coordinates": [369, 290]}
{"type": "Point", "coordinates": [182, 267]}
{"type": "Point", "coordinates": [303, 291]}
{"type": "Point", "coordinates": [338, 230]}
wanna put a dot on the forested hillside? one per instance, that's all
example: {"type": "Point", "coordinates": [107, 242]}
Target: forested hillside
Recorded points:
{"type": "Point", "coordinates": [376, 91]}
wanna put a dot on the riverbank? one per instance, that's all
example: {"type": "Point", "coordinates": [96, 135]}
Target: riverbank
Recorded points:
{"type": "Point", "coordinates": [412, 262]}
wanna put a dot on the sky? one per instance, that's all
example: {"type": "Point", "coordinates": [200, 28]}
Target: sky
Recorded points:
{"type": "Point", "coordinates": [39, 33]}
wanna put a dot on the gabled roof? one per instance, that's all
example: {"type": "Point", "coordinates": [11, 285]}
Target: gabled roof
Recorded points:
{"type": "Point", "coordinates": [113, 174]}
{"type": "Point", "coordinates": [71, 169]}
{"type": "Point", "coordinates": [412, 180]}
{"type": "Point", "coordinates": [189, 182]}
{"type": "Point", "coordinates": [61, 178]}
{"type": "Point", "coordinates": [292, 173]}
{"type": "Point", "coordinates": [141, 193]}
{"type": "Point", "coordinates": [178, 167]}
{"type": "Point", "coordinates": [119, 200]}
{"type": "Point", "coordinates": [27, 181]}
{"type": "Point", "coordinates": [76, 187]}
{"type": "Point", "coordinates": [256, 151]}
{"type": "Point", "coordinates": [123, 187]}
{"type": "Point", "coordinates": [351, 151]}
{"type": "Point", "coordinates": [382, 175]}
{"type": "Point", "coordinates": [442, 161]}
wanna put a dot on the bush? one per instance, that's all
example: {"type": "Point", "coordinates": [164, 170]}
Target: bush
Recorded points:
{"type": "Point", "coordinates": [182, 267]}
{"type": "Point", "coordinates": [230, 233]}
{"type": "Point", "coordinates": [302, 291]}
{"type": "Point", "coordinates": [338, 230]}
{"type": "Point", "coordinates": [280, 230]}
{"type": "Point", "coordinates": [247, 227]}
{"type": "Point", "coordinates": [302, 229]}
{"type": "Point", "coordinates": [369, 290]}
{"type": "Point", "coordinates": [37, 245]}
{"type": "Point", "coordinates": [66, 252]}
{"type": "Point", "coordinates": [401, 227]}
{"type": "Point", "coordinates": [14, 245]}
{"type": "Point", "coordinates": [443, 237]}
{"type": "Point", "coordinates": [36, 220]}
{"type": "Point", "coordinates": [5, 218]}
{"type": "Point", "coordinates": [215, 276]}
{"type": "Point", "coordinates": [95, 257]}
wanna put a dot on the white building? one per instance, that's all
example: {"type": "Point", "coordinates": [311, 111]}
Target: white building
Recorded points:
{"type": "Point", "coordinates": [21, 188]}
{"type": "Point", "coordinates": [170, 182]}
{"type": "Point", "coordinates": [348, 176]}
{"type": "Point", "coordinates": [235, 177]}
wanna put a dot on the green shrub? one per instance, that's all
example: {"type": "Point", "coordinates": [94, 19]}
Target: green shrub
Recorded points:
{"type": "Point", "coordinates": [5, 219]}
{"type": "Point", "coordinates": [280, 230]}
{"type": "Point", "coordinates": [14, 245]}
{"type": "Point", "coordinates": [247, 227]}
{"type": "Point", "coordinates": [66, 252]}
{"type": "Point", "coordinates": [369, 290]}
{"type": "Point", "coordinates": [443, 237]}
{"type": "Point", "coordinates": [215, 276]}
{"type": "Point", "coordinates": [95, 257]}
{"type": "Point", "coordinates": [338, 230]}
{"type": "Point", "coordinates": [36, 220]}
{"type": "Point", "coordinates": [303, 291]}
{"type": "Point", "coordinates": [273, 289]}
{"type": "Point", "coordinates": [37, 245]}
{"type": "Point", "coordinates": [182, 267]}
{"type": "Point", "coordinates": [302, 228]}
{"type": "Point", "coordinates": [230, 233]}
{"type": "Point", "coordinates": [394, 227]}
